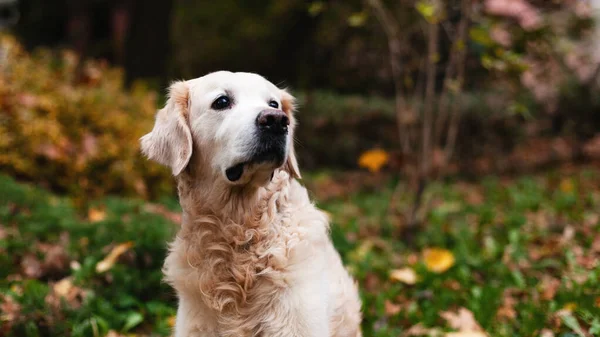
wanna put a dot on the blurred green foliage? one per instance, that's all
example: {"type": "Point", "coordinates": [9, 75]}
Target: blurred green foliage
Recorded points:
{"type": "Point", "coordinates": [525, 253]}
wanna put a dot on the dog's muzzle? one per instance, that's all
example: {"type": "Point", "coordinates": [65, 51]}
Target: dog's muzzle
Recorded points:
{"type": "Point", "coordinates": [270, 145]}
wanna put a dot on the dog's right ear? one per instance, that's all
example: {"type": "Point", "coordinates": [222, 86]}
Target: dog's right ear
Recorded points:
{"type": "Point", "coordinates": [170, 142]}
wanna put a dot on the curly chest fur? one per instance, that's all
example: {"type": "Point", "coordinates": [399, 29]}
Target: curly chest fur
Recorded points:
{"type": "Point", "coordinates": [227, 263]}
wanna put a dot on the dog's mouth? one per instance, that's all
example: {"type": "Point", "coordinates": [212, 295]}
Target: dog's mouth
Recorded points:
{"type": "Point", "coordinates": [271, 158]}
{"type": "Point", "coordinates": [234, 173]}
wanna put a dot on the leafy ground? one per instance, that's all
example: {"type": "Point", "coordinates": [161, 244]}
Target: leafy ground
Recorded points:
{"type": "Point", "coordinates": [506, 257]}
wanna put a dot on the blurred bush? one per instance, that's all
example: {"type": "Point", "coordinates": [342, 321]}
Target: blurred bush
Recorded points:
{"type": "Point", "coordinates": [71, 125]}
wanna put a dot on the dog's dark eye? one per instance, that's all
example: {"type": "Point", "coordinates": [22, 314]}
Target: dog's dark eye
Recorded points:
{"type": "Point", "coordinates": [274, 104]}
{"type": "Point", "coordinates": [223, 102]}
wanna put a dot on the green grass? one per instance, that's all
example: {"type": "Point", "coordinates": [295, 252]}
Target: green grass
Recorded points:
{"type": "Point", "coordinates": [515, 239]}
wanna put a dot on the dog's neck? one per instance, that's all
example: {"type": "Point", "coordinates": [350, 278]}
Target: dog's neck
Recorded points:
{"type": "Point", "coordinates": [201, 196]}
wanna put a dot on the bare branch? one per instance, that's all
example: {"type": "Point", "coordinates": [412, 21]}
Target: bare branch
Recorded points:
{"type": "Point", "coordinates": [432, 59]}
{"type": "Point", "coordinates": [461, 66]}
{"type": "Point", "coordinates": [391, 29]}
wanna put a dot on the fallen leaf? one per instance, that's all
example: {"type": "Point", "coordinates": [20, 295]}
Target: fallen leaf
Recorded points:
{"type": "Point", "coordinates": [566, 186]}
{"type": "Point", "coordinates": [412, 259]}
{"type": "Point", "coordinates": [570, 307]}
{"type": "Point", "coordinates": [420, 330]}
{"type": "Point", "coordinates": [113, 333]}
{"type": "Point", "coordinates": [31, 266]}
{"type": "Point", "coordinates": [56, 259]}
{"type": "Point", "coordinates": [507, 309]}
{"type": "Point", "coordinates": [549, 287]}
{"type": "Point", "coordinates": [112, 257]}
{"type": "Point", "coordinates": [438, 260]}
{"type": "Point", "coordinates": [96, 215]}
{"type": "Point", "coordinates": [463, 320]}
{"type": "Point", "coordinates": [161, 210]}
{"type": "Point", "coordinates": [391, 308]}
{"type": "Point", "coordinates": [10, 310]}
{"type": "Point", "coordinates": [64, 291]}
{"type": "Point", "coordinates": [452, 285]}
{"type": "Point", "coordinates": [62, 287]}
{"type": "Point", "coordinates": [465, 334]}
{"type": "Point", "coordinates": [405, 275]}
{"type": "Point", "coordinates": [373, 160]}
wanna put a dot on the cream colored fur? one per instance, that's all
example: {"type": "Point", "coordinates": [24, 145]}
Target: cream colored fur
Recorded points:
{"type": "Point", "coordinates": [252, 258]}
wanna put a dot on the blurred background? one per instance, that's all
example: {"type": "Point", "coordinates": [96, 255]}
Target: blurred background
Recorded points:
{"type": "Point", "coordinates": [455, 144]}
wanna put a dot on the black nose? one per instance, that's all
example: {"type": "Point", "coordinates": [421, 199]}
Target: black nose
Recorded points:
{"type": "Point", "coordinates": [272, 121]}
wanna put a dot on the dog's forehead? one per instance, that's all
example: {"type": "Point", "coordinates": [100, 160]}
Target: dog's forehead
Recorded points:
{"type": "Point", "coordinates": [247, 83]}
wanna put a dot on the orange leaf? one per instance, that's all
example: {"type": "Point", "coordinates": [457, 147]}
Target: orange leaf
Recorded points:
{"type": "Point", "coordinates": [96, 215]}
{"type": "Point", "coordinates": [109, 261]}
{"type": "Point", "coordinates": [373, 160]}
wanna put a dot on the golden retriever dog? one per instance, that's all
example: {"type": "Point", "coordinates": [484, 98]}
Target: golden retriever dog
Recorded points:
{"type": "Point", "coordinates": [253, 255]}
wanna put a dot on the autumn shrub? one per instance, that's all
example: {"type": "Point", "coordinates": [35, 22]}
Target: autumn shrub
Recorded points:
{"type": "Point", "coordinates": [74, 127]}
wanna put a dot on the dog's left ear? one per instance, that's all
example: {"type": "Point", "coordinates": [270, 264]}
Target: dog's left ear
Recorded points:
{"type": "Point", "coordinates": [170, 142]}
{"type": "Point", "coordinates": [288, 105]}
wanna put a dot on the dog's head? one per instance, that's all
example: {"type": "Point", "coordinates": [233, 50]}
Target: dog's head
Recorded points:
{"type": "Point", "coordinates": [232, 126]}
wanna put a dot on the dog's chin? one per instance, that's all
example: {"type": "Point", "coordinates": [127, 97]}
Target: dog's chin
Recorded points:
{"type": "Point", "coordinates": [253, 171]}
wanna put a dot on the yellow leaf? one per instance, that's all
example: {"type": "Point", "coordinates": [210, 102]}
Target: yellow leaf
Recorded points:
{"type": "Point", "coordinates": [357, 19]}
{"type": "Point", "coordinates": [315, 8]}
{"type": "Point", "coordinates": [566, 186]}
{"type": "Point", "coordinates": [109, 261]}
{"type": "Point", "coordinates": [171, 321]}
{"type": "Point", "coordinates": [570, 307]}
{"type": "Point", "coordinates": [373, 159]}
{"type": "Point", "coordinates": [438, 260]}
{"type": "Point", "coordinates": [96, 215]}
{"type": "Point", "coordinates": [405, 275]}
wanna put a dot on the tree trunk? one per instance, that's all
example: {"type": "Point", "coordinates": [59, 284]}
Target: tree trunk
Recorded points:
{"type": "Point", "coordinates": [148, 41]}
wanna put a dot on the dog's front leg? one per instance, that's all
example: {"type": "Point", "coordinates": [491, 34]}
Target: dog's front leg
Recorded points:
{"type": "Point", "coordinates": [301, 309]}
{"type": "Point", "coordinates": [194, 319]}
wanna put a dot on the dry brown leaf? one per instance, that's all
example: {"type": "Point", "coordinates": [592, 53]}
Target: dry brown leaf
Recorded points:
{"type": "Point", "coordinates": [420, 330]}
{"type": "Point", "coordinates": [438, 260]}
{"type": "Point", "coordinates": [412, 259]}
{"type": "Point", "coordinates": [113, 333]}
{"type": "Point", "coordinates": [391, 309]}
{"type": "Point", "coordinates": [405, 275]}
{"type": "Point", "coordinates": [10, 310]}
{"type": "Point", "coordinates": [161, 210]}
{"type": "Point", "coordinates": [549, 286]}
{"type": "Point", "coordinates": [65, 290]}
{"type": "Point", "coordinates": [31, 266]}
{"type": "Point", "coordinates": [463, 320]}
{"type": "Point", "coordinates": [109, 261]}
{"type": "Point", "coordinates": [452, 285]}
{"type": "Point", "coordinates": [546, 333]}
{"type": "Point", "coordinates": [466, 334]}
{"type": "Point", "coordinates": [56, 259]}
{"type": "Point", "coordinates": [507, 309]}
